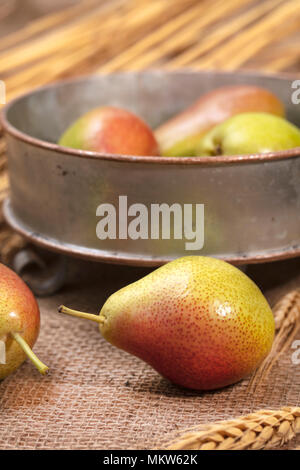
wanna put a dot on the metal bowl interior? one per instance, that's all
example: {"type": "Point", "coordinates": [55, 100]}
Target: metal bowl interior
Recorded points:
{"type": "Point", "coordinates": [251, 202]}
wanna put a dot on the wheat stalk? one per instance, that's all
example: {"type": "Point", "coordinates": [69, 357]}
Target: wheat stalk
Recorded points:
{"type": "Point", "coordinates": [45, 23]}
{"type": "Point", "coordinates": [250, 41]}
{"type": "Point", "coordinates": [264, 429]}
{"type": "Point", "coordinates": [66, 50]}
{"type": "Point", "coordinates": [287, 323]}
{"type": "Point", "coordinates": [234, 25]}
{"type": "Point", "coordinates": [183, 31]}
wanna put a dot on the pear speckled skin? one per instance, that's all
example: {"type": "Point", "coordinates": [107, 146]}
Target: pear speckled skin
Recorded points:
{"type": "Point", "coordinates": [111, 130]}
{"type": "Point", "coordinates": [19, 313]}
{"type": "Point", "coordinates": [200, 322]}
{"type": "Point", "coordinates": [250, 133]}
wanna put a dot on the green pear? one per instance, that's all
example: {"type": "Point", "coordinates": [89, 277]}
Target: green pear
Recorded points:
{"type": "Point", "coordinates": [180, 135]}
{"type": "Point", "coordinates": [249, 133]}
{"type": "Point", "coordinates": [199, 321]}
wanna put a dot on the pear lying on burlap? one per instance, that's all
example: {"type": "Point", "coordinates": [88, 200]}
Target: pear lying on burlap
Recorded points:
{"type": "Point", "coordinates": [19, 323]}
{"type": "Point", "coordinates": [199, 321]}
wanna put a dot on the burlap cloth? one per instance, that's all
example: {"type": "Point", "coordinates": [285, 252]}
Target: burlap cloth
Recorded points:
{"type": "Point", "coordinates": [97, 397]}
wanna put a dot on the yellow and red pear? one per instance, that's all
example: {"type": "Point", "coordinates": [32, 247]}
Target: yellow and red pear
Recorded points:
{"type": "Point", "coordinates": [180, 135]}
{"type": "Point", "coordinates": [19, 322]}
{"type": "Point", "coordinates": [200, 322]}
{"type": "Point", "coordinates": [111, 130]}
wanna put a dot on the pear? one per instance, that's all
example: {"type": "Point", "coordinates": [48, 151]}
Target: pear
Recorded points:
{"type": "Point", "coordinates": [111, 130]}
{"type": "Point", "coordinates": [181, 134]}
{"type": "Point", "coordinates": [19, 323]}
{"type": "Point", "coordinates": [199, 321]}
{"type": "Point", "coordinates": [249, 133]}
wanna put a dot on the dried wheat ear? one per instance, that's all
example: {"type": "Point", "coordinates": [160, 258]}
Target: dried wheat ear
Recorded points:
{"type": "Point", "coordinates": [264, 429]}
{"type": "Point", "coordinates": [287, 324]}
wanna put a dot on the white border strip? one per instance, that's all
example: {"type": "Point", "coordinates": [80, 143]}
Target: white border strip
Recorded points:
{"type": "Point", "coordinates": [2, 92]}
{"type": "Point", "coordinates": [2, 353]}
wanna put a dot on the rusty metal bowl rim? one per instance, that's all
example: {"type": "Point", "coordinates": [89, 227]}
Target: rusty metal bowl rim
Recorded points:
{"type": "Point", "coordinates": [216, 160]}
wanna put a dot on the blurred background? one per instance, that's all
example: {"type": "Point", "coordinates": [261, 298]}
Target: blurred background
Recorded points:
{"type": "Point", "coordinates": [46, 40]}
{"type": "Point", "coordinates": [42, 40]}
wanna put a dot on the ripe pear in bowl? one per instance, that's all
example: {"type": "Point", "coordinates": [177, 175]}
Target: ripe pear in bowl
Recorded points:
{"type": "Point", "coordinates": [250, 133]}
{"type": "Point", "coordinates": [111, 130]}
{"type": "Point", "coordinates": [19, 323]}
{"type": "Point", "coordinates": [199, 321]}
{"type": "Point", "coordinates": [181, 134]}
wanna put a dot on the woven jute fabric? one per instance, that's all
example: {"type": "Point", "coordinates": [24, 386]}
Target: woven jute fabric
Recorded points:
{"type": "Point", "coordinates": [98, 397]}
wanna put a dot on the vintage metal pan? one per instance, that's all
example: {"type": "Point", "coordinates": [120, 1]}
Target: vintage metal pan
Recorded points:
{"type": "Point", "coordinates": [251, 203]}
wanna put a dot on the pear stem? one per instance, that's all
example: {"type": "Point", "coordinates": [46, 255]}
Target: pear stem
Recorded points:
{"type": "Point", "coordinates": [42, 368]}
{"type": "Point", "coordinates": [76, 313]}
